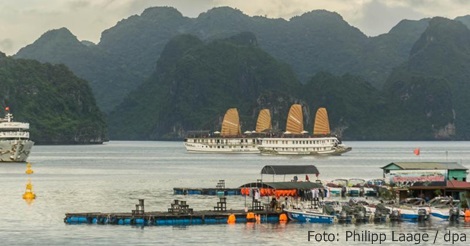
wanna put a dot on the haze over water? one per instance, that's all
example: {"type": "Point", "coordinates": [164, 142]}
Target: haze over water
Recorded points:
{"type": "Point", "coordinates": [111, 177]}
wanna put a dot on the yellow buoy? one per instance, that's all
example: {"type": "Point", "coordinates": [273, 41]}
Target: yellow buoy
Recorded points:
{"type": "Point", "coordinates": [231, 219]}
{"type": "Point", "coordinates": [28, 169]}
{"type": "Point", "coordinates": [29, 194]}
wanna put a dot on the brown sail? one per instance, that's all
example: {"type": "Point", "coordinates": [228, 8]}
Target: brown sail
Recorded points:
{"type": "Point", "coordinates": [322, 124]}
{"type": "Point", "coordinates": [231, 124]}
{"type": "Point", "coordinates": [264, 121]}
{"type": "Point", "coordinates": [295, 120]}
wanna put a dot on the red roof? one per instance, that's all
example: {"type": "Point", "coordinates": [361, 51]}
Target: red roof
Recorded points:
{"type": "Point", "coordinates": [451, 184]}
{"type": "Point", "coordinates": [458, 184]}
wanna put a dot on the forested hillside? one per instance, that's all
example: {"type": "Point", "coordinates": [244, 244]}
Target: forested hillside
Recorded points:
{"type": "Point", "coordinates": [59, 106]}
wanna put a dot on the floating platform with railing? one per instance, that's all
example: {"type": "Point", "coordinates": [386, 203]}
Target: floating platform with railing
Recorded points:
{"type": "Point", "coordinates": [179, 213]}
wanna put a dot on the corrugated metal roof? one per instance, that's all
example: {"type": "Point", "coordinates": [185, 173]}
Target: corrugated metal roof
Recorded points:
{"type": "Point", "coordinates": [289, 169]}
{"type": "Point", "coordinates": [427, 165]}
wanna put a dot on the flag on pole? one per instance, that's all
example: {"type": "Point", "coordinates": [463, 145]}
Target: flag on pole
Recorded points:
{"type": "Point", "coordinates": [416, 151]}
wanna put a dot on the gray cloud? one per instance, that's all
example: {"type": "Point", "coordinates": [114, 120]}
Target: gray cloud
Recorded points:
{"type": "Point", "coordinates": [22, 22]}
{"type": "Point", "coordinates": [377, 18]}
{"type": "Point", "coordinates": [78, 4]}
{"type": "Point", "coordinates": [6, 45]}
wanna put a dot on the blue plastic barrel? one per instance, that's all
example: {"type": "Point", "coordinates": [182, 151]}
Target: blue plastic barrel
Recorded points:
{"type": "Point", "coordinates": [139, 221]}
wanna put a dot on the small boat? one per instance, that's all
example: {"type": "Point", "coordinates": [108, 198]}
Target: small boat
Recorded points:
{"type": "Point", "coordinates": [358, 210]}
{"type": "Point", "coordinates": [445, 208]}
{"type": "Point", "coordinates": [356, 187]}
{"type": "Point", "coordinates": [372, 187]}
{"type": "Point", "coordinates": [413, 209]}
{"type": "Point", "coordinates": [382, 212]}
{"type": "Point", "coordinates": [337, 187]}
{"type": "Point", "coordinates": [309, 216]}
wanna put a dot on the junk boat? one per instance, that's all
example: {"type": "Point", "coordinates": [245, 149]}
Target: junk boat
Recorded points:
{"type": "Point", "coordinates": [230, 139]}
{"type": "Point", "coordinates": [296, 141]}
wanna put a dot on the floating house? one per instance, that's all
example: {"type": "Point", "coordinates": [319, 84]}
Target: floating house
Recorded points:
{"type": "Point", "coordinates": [424, 171]}
{"type": "Point", "coordinates": [428, 179]}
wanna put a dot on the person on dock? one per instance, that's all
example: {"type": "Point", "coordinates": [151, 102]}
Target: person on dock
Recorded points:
{"type": "Point", "coordinates": [273, 204]}
{"type": "Point", "coordinates": [343, 191]}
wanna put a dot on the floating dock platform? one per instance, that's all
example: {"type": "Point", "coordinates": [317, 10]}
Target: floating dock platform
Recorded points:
{"type": "Point", "coordinates": [207, 191]}
{"type": "Point", "coordinates": [219, 190]}
{"type": "Point", "coordinates": [163, 218]}
{"type": "Point", "coordinates": [178, 214]}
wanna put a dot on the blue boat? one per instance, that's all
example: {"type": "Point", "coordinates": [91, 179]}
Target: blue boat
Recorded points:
{"type": "Point", "coordinates": [309, 216]}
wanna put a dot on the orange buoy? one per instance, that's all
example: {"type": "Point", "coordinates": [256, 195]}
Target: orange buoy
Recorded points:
{"type": "Point", "coordinates": [231, 219]}
{"type": "Point", "coordinates": [282, 217]}
{"type": "Point", "coordinates": [250, 216]}
{"type": "Point", "coordinates": [467, 215]}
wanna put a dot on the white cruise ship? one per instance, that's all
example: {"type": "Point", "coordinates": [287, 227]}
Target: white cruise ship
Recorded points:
{"type": "Point", "coordinates": [15, 145]}
{"type": "Point", "coordinates": [296, 141]}
{"type": "Point", "coordinates": [229, 139]}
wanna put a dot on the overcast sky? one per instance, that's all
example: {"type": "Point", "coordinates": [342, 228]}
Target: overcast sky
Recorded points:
{"type": "Point", "coordinates": [23, 21]}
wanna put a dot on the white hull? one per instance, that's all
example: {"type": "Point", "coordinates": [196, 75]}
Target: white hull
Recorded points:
{"type": "Point", "coordinates": [222, 145]}
{"type": "Point", "coordinates": [272, 146]}
{"type": "Point", "coordinates": [15, 150]}
{"type": "Point", "coordinates": [440, 214]}
{"type": "Point", "coordinates": [412, 213]}
{"type": "Point", "coordinates": [302, 146]}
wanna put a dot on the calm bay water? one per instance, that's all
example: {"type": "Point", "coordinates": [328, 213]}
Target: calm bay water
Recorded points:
{"type": "Point", "coordinates": [111, 177]}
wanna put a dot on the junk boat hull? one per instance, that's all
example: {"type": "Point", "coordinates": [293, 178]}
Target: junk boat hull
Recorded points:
{"type": "Point", "coordinates": [221, 145]}
{"type": "Point", "coordinates": [302, 146]}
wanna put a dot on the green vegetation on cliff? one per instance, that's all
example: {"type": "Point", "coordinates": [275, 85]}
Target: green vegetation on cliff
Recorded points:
{"type": "Point", "coordinates": [195, 83]}
{"type": "Point", "coordinates": [431, 89]}
{"type": "Point", "coordinates": [59, 106]}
